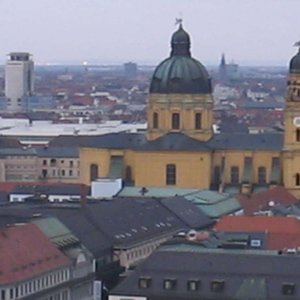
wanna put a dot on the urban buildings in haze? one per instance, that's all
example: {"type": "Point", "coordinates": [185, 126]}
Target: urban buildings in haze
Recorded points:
{"type": "Point", "coordinates": [19, 83]}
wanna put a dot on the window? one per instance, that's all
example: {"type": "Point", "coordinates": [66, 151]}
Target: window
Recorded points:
{"type": "Point", "coordinates": [71, 164]}
{"type": "Point", "coordinates": [255, 243]}
{"type": "Point", "coordinates": [70, 172]}
{"type": "Point", "coordinates": [198, 121]}
{"type": "Point", "coordinates": [53, 162]}
{"type": "Point", "coordinates": [288, 288]}
{"type": "Point", "coordinates": [45, 162]}
{"type": "Point", "coordinates": [170, 284]}
{"type": "Point", "coordinates": [3, 295]}
{"type": "Point", "coordinates": [44, 173]}
{"type": "Point", "coordinates": [171, 174]}
{"type": "Point", "coordinates": [155, 120]}
{"type": "Point", "coordinates": [128, 175]}
{"type": "Point", "coordinates": [193, 285]}
{"type": "Point", "coordinates": [297, 179]}
{"type": "Point", "coordinates": [175, 121]}
{"type": "Point", "coordinates": [63, 172]}
{"type": "Point", "coordinates": [217, 175]}
{"type": "Point", "coordinates": [234, 175]}
{"type": "Point", "coordinates": [298, 135]}
{"type": "Point", "coordinates": [261, 175]}
{"type": "Point", "coordinates": [93, 172]}
{"type": "Point", "coordinates": [217, 286]}
{"type": "Point", "coordinates": [144, 282]}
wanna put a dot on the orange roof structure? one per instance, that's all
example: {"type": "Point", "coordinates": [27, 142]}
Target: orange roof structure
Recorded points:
{"type": "Point", "coordinates": [25, 252]}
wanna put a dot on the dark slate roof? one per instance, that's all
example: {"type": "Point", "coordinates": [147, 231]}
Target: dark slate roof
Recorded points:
{"type": "Point", "coordinates": [120, 222]}
{"type": "Point", "coordinates": [187, 212]}
{"type": "Point", "coordinates": [244, 141]}
{"type": "Point", "coordinates": [69, 140]}
{"type": "Point", "coordinates": [6, 142]}
{"type": "Point", "coordinates": [17, 151]}
{"type": "Point", "coordinates": [174, 142]}
{"type": "Point", "coordinates": [51, 189]}
{"type": "Point", "coordinates": [76, 219]}
{"type": "Point", "coordinates": [58, 152]}
{"type": "Point", "coordinates": [121, 140]}
{"type": "Point", "coordinates": [235, 267]}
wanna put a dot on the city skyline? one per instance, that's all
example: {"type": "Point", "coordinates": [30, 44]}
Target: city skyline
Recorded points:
{"type": "Point", "coordinates": [73, 31]}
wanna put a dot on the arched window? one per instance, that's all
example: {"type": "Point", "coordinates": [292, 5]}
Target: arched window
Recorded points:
{"type": "Point", "coordinates": [261, 175]}
{"type": "Point", "coordinates": [128, 175]}
{"type": "Point", "coordinates": [198, 121]}
{"type": "Point", "coordinates": [155, 120]}
{"type": "Point", "coordinates": [171, 174]}
{"type": "Point", "coordinates": [297, 179]}
{"type": "Point", "coordinates": [93, 172]}
{"type": "Point", "coordinates": [175, 120]}
{"type": "Point", "coordinates": [234, 175]}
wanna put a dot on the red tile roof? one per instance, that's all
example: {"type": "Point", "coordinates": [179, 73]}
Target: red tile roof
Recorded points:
{"type": "Point", "coordinates": [278, 241]}
{"type": "Point", "coordinates": [281, 232]}
{"type": "Point", "coordinates": [26, 252]}
{"type": "Point", "coordinates": [259, 224]}
{"type": "Point", "coordinates": [261, 200]}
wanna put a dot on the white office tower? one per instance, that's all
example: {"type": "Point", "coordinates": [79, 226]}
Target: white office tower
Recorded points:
{"type": "Point", "coordinates": [18, 80]}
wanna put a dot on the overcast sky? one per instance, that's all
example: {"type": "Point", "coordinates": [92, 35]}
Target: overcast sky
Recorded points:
{"type": "Point", "coordinates": [108, 31]}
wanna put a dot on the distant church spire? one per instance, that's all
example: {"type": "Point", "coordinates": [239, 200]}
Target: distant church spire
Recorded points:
{"type": "Point", "coordinates": [222, 68]}
{"type": "Point", "coordinates": [223, 61]}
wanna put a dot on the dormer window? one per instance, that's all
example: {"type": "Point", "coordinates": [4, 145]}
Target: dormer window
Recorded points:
{"type": "Point", "coordinates": [193, 285]}
{"type": "Point", "coordinates": [288, 288]}
{"type": "Point", "coordinates": [217, 286]}
{"type": "Point", "coordinates": [145, 282]}
{"type": "Point", "coordinates": [170, 284]}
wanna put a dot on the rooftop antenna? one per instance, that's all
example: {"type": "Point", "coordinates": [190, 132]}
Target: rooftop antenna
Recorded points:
{"type": "Point", "coordinates": [178, 21]}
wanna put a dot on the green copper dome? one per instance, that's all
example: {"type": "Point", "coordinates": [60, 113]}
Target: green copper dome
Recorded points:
{"type": "Point", "coordinates": [295, 63]}
{"type": "Point", "coordinates": [180, 73]}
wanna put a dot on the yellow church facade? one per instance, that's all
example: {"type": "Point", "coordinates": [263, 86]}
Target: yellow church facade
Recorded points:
{"type": "Point", "coordinates": [180, 148]}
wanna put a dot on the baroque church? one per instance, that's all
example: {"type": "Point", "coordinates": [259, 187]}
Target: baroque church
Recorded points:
{"type": "Point", "coordinates": [180, 148]}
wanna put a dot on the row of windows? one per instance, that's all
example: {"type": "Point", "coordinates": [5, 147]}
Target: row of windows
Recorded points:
{"type": "Point", "coordinates": [15, 157]}
{"type": "Point", "coordinates": [135, 254]}
{"type": "Point", "coordinates": [234, 175]}
{"type": "Point", "coordinates": [193, 285]}
{"type": "Point", "coordinates": [175, 121]}
{"type": "Point", "coordinates": [59, 172]}
{"type": "Point", "coordinates": [54, 161]}
{"type": "Point", "coordinates": [34, 285]}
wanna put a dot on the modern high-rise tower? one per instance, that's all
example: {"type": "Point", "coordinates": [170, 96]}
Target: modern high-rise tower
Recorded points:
{"type": "Point", "coordinates": [18, 80]}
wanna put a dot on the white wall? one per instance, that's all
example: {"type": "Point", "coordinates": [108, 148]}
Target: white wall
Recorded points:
{"type": "Point", "coordinates": [126, 297]}
{"type": "Point", "coordinates": [105, 188]}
